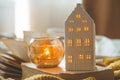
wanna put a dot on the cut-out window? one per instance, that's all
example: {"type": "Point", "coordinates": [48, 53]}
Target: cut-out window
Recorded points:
{"type": "Point", "coordinates": [86, 28]}
{"type": "Point", "coordinates": [81, 56]}
{"type": "Point", "coordinates": [78, 42]}
{"type": "Point", "coordinates": [78, 29]}
{"type": "Point", "coordinates": [78, 16]}
{"type": "Point", "coordinates": [71, 21]}
{"type": "Point", "coordinates": [70, 29]}
{"type": "Point", "coordinates": [69, 42]}
{"type": "Point", "coordinates": [85, 21]}
{"type": "Point", "coordinates": [87, 42]}
{"type": "Point", "coordinates": [69, 59]}
{"type": "Point", "coordinates": [88, 56]}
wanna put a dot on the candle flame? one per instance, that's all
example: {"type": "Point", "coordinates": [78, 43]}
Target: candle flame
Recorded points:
{"type": "Point", "coordinates": [47, 52]}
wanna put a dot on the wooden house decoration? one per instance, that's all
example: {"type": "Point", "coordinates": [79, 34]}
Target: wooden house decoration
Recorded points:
{"type": "Point", "coordinates": [79, 41]}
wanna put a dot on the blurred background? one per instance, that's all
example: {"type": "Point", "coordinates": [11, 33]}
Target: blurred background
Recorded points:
{"type": "Point", "coordinates": [17, 16]}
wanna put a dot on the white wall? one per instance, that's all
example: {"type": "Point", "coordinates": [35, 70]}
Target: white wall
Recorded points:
{"type": "Point", "coordinates": [6, 16]}
{"type": "Point", "coordinates": [46, 14]}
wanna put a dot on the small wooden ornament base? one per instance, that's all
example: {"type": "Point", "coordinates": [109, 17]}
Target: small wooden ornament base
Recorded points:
{"type": "Point", "coordinates": [29, 69]}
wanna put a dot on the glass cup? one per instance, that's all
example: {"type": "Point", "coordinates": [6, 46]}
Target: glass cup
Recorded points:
{"type": "Point", "coordinates": [46, 52]}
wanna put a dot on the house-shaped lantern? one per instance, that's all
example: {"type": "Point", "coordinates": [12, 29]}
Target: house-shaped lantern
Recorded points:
{"type": "Point", "coordinates": [79, 41]}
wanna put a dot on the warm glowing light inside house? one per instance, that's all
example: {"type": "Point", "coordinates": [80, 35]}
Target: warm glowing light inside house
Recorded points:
{"type": "Point", "coordinates": [71, 21]}
{"type": "Point", "coordinates": [77, 15]}
{"type": "Point", "coordinates": [78, 42]}
{"type": "Point", "coordinates": [87, 42]}
{"type": "Point", "coordinates": [21, 17]}
{"type": "Point", "coordinates": [88, 56]}
{"type": "Point", "coordinates": [85, 21]}
{"type": "Point", "coordinates": [70, 29]}
{"type": "Point", "coordinates": [78, 29]}
{"type": "Point", "coordinates": [69, 42]}
{"type": "Point", "coordinates": [69, 58]}
{"type": "Point", "coordinates": [86, 28]}
{"type": "Point", "coordinates": [81, 56]}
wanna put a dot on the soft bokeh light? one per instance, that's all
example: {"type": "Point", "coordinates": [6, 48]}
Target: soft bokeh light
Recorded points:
{"type": "Point", "coordinates": [43, 14]}
{"type": "Point", "coordinates": [21, 17]}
